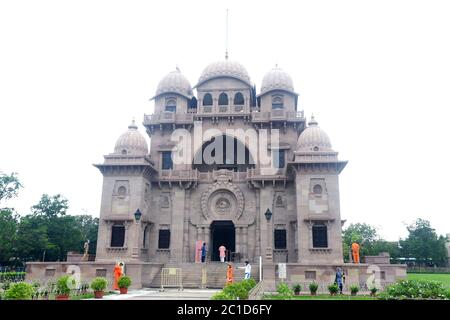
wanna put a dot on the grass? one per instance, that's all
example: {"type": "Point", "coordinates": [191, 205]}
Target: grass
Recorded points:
{"type": "Point", "coordinates": [323, 297]}
{"type": "Point", "coordinates": [442, 277]}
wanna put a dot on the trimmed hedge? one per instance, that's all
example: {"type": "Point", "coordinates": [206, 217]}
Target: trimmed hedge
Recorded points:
{"type": "Point", "coordinates": [415, 289]}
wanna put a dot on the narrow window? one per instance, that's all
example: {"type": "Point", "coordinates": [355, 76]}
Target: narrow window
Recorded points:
{"type": "Point", "coordinates": [144, 240]}
{"type": "Point", "coordinates": [171, 105]}
{"type": "Point", "coordinates": [278, 158]}
{"type": "Point", "coordinates": [207, 100]}
{"type": "Point", "coordinates": [117, 236]}
{"type": "Point", "coordinates": [277, 102]}
{"type": "Point", "coordinates": [280, 239]}
{"type": "Point", "coordinates": [164, 239]}
{"type": "Point", "coordinates": [238, 99]}
{"type": "Point", "coordinates": [223, 99]}
{"type": "Point", "coordinates": [319, 234]}
{"type": "Point", "coordinates": [167, 163]}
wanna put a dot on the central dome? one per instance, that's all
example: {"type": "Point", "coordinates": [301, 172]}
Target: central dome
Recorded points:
{"type": "Point", "coordinates": [225, 68]}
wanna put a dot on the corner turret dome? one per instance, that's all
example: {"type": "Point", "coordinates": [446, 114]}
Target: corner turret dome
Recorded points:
{"type": "Point", "coordinates": [313, 138]}
{"type": "Point", "coordinates": [131, 142]}
{"type": "Point", "coordinates": [277, 79]}
{"type": "Point", "coordinates": [174, 82]}
{"type": "Point", "coordinates": [225, 68]}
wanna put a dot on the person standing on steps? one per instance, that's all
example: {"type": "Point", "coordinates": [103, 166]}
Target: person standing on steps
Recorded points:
{"type": "Point", "coordinates": [203, 249]}
{"type": "Point", "coordinates": [247, 270]}
{"type": "Point", "coordinates": [230, 276]}
{"type": "Point", "coordinates": [222, 251]}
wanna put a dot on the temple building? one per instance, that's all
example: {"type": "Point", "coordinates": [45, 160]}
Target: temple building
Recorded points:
{"type": "Point", "coordinates": [285, 209]}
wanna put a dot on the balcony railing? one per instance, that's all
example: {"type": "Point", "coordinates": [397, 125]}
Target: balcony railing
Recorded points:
{"type": "Point", "coordinates": [222, 110]}
{"type": "Point", "coordinates": [168, 117]}
{"type": "Point", "coordinates": [178, 175]}
{"type": "Point", "coordinates": [278, 115]}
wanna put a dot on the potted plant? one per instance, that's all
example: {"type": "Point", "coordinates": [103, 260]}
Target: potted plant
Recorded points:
{"type": "Point", "coordinates": [354, 289]}
{"type": "Point", "coordinates": [333, 289]}
{"type": "Point", "coordinates": [124, 283]}
{"type": "Point", "coordinates": [62, 288]}
{"type": "Point", "coordinates": [297, 288]}
{"type": "Point", "coordinates": [313, 288]}
{"type": "Point", "coordinates": [373, 291]}
{"type": "Point", "coordinates": [99, 285]}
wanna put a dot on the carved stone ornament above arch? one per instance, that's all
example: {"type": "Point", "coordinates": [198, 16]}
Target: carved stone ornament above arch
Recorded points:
{"type": "Point", "coordinates": [222, 199]}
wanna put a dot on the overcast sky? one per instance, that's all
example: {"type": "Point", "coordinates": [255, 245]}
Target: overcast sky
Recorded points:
{"type": "Point", "coordinates": [376, 75]}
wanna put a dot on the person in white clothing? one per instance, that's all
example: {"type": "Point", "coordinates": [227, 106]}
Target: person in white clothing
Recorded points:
{"type": "Point", "coordinates": [247, 271]}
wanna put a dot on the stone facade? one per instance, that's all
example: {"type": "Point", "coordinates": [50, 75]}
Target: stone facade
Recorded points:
{"type": "Point", "coordinates": [186, 201]}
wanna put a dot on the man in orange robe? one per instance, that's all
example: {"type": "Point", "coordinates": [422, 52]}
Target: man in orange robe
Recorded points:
{"type": "Point", "coordinates": [117, 275]}
{"type": "Point", "coordinates": [230, 276]}
{"type": "Point", "coordinates": [355, 252]}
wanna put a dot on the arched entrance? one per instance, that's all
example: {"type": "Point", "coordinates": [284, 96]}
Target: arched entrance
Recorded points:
{"type": "Point", "coordinates": [222, 233]}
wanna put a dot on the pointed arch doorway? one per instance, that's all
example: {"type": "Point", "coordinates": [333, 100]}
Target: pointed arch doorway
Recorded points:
{"type": "Point", "coordinates": [222, 233]}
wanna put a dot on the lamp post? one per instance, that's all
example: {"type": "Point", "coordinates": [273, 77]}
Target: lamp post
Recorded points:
{"type": "Point", "coordinates": [269, 251]}
{"type": "Point", "coordinates": [135, 249]}
{"type": "Point", "coordinates": [137, 215]}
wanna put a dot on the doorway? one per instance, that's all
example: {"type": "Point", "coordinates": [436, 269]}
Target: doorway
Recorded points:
{"type": "Point", "coordinates": [222, 233]}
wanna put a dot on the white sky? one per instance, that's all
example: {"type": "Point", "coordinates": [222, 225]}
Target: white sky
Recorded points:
{"type": "Point", "coordinates": [376, 74]}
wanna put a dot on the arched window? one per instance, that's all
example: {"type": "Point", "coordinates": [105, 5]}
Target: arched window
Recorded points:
{"type": "Point", "coordinates": [122, 191]}
{"type": "Point", "coordinates": [171, 105]}
{"type": "Point", "coordinates": [277, 102]}
{"type": "Point", "coordinates": [124, 151]}
{"type": "Point", "coordinates": [238, 99]}
{"type": "Point", "coordinates": [207, 100]}
{"type": "Point", "coordinates": [223, 99]}
{"type": "Point", "coordinates": [317, 189]}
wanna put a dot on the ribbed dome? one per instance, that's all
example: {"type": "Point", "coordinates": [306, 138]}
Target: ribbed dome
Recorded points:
{"type": "Point", "coordinates": [174, 82]}
{"type": "Point", "coordinates": [131, 142]}
{"type": "Point", "coordinates": [225, 68]}
{"type": "Point", "coordinates": [277, 79]}
{"type": "Point", "coordinates": [313, 138]}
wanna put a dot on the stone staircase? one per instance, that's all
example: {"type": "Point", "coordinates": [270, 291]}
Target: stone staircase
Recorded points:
{"type": "Point", "coordinates": [215, 274]}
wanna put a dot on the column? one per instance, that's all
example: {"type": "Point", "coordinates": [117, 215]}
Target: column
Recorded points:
{"type": "Point", "coordinates": [245, 241]}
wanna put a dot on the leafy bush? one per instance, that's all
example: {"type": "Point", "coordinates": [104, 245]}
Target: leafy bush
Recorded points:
{"type": "Point", "coordinates": [221, 296]}
{"type": "Point", "coordinates": [124, 282]}
{"type": "Point", "coordinates": [284, 291]}
{"type": "Point", "coordinates": [99, 284]}
{"type": "Point", "coordinates": [19, 291]}
{"type": "Point", "coordinates": [239, 290]}
{"type": "Point", "coordinates": [62, 285]}
{"type": "Point", "coordinates": [333, 288]}
{"type": "Point", "coordinates": [12, 276]}
{"type": "Point", "coordinates": [373, 290]}
{"type": "Point", "coordinates": [354, 288]}
{"type": "Point", "coordinates": [248, 284]}
{"type": "Point", "coordinates": [415, 289]}
{"type": "Point", "coordinates": [313, 287]}
{"type": "Point", "coordinates": [297, 288]}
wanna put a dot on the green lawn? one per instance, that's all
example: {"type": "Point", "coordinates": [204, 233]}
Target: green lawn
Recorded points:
{"type": "Point", "coordinates": [442, 277]}
{"type": "Point", "coordinates": [323, 297]}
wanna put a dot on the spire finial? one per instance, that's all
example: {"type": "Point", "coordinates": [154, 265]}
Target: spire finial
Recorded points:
{"type": "Point", "coordinates": [133, 124]}
{"type": "Point", "coordinates": [313, 121]}
{"type": "Point", "coordinates": [226, 38]}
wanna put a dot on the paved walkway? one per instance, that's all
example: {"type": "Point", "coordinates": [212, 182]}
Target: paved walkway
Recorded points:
{"type": "Point", "coordinates": [168, 294]}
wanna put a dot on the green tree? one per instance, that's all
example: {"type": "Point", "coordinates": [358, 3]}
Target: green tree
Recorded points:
{"type": "Point", "coordinates": [424, 244]}
{"type": "Point", "coordinates": [32, 240]}
{"type": "Point", "coordinates": [51, 206]}
{"type": "Point", "coordinates": [9, 220]}
{"type": "Point", "coordinates": [9, 186]}
{"type": "Point", "coordinates": [89, 230]}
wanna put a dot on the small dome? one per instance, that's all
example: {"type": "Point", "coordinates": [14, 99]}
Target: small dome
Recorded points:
{"type": "Point", "coordinates": [174, 82]}
{"type": "Point", "coordinates": [277, 79]}
{"type": "Point", "coordinates": [131, 142]}
{"type": "Point", "coordinates": [313, 138]}
{"type": "Point", "coordinates": [225, 68]}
